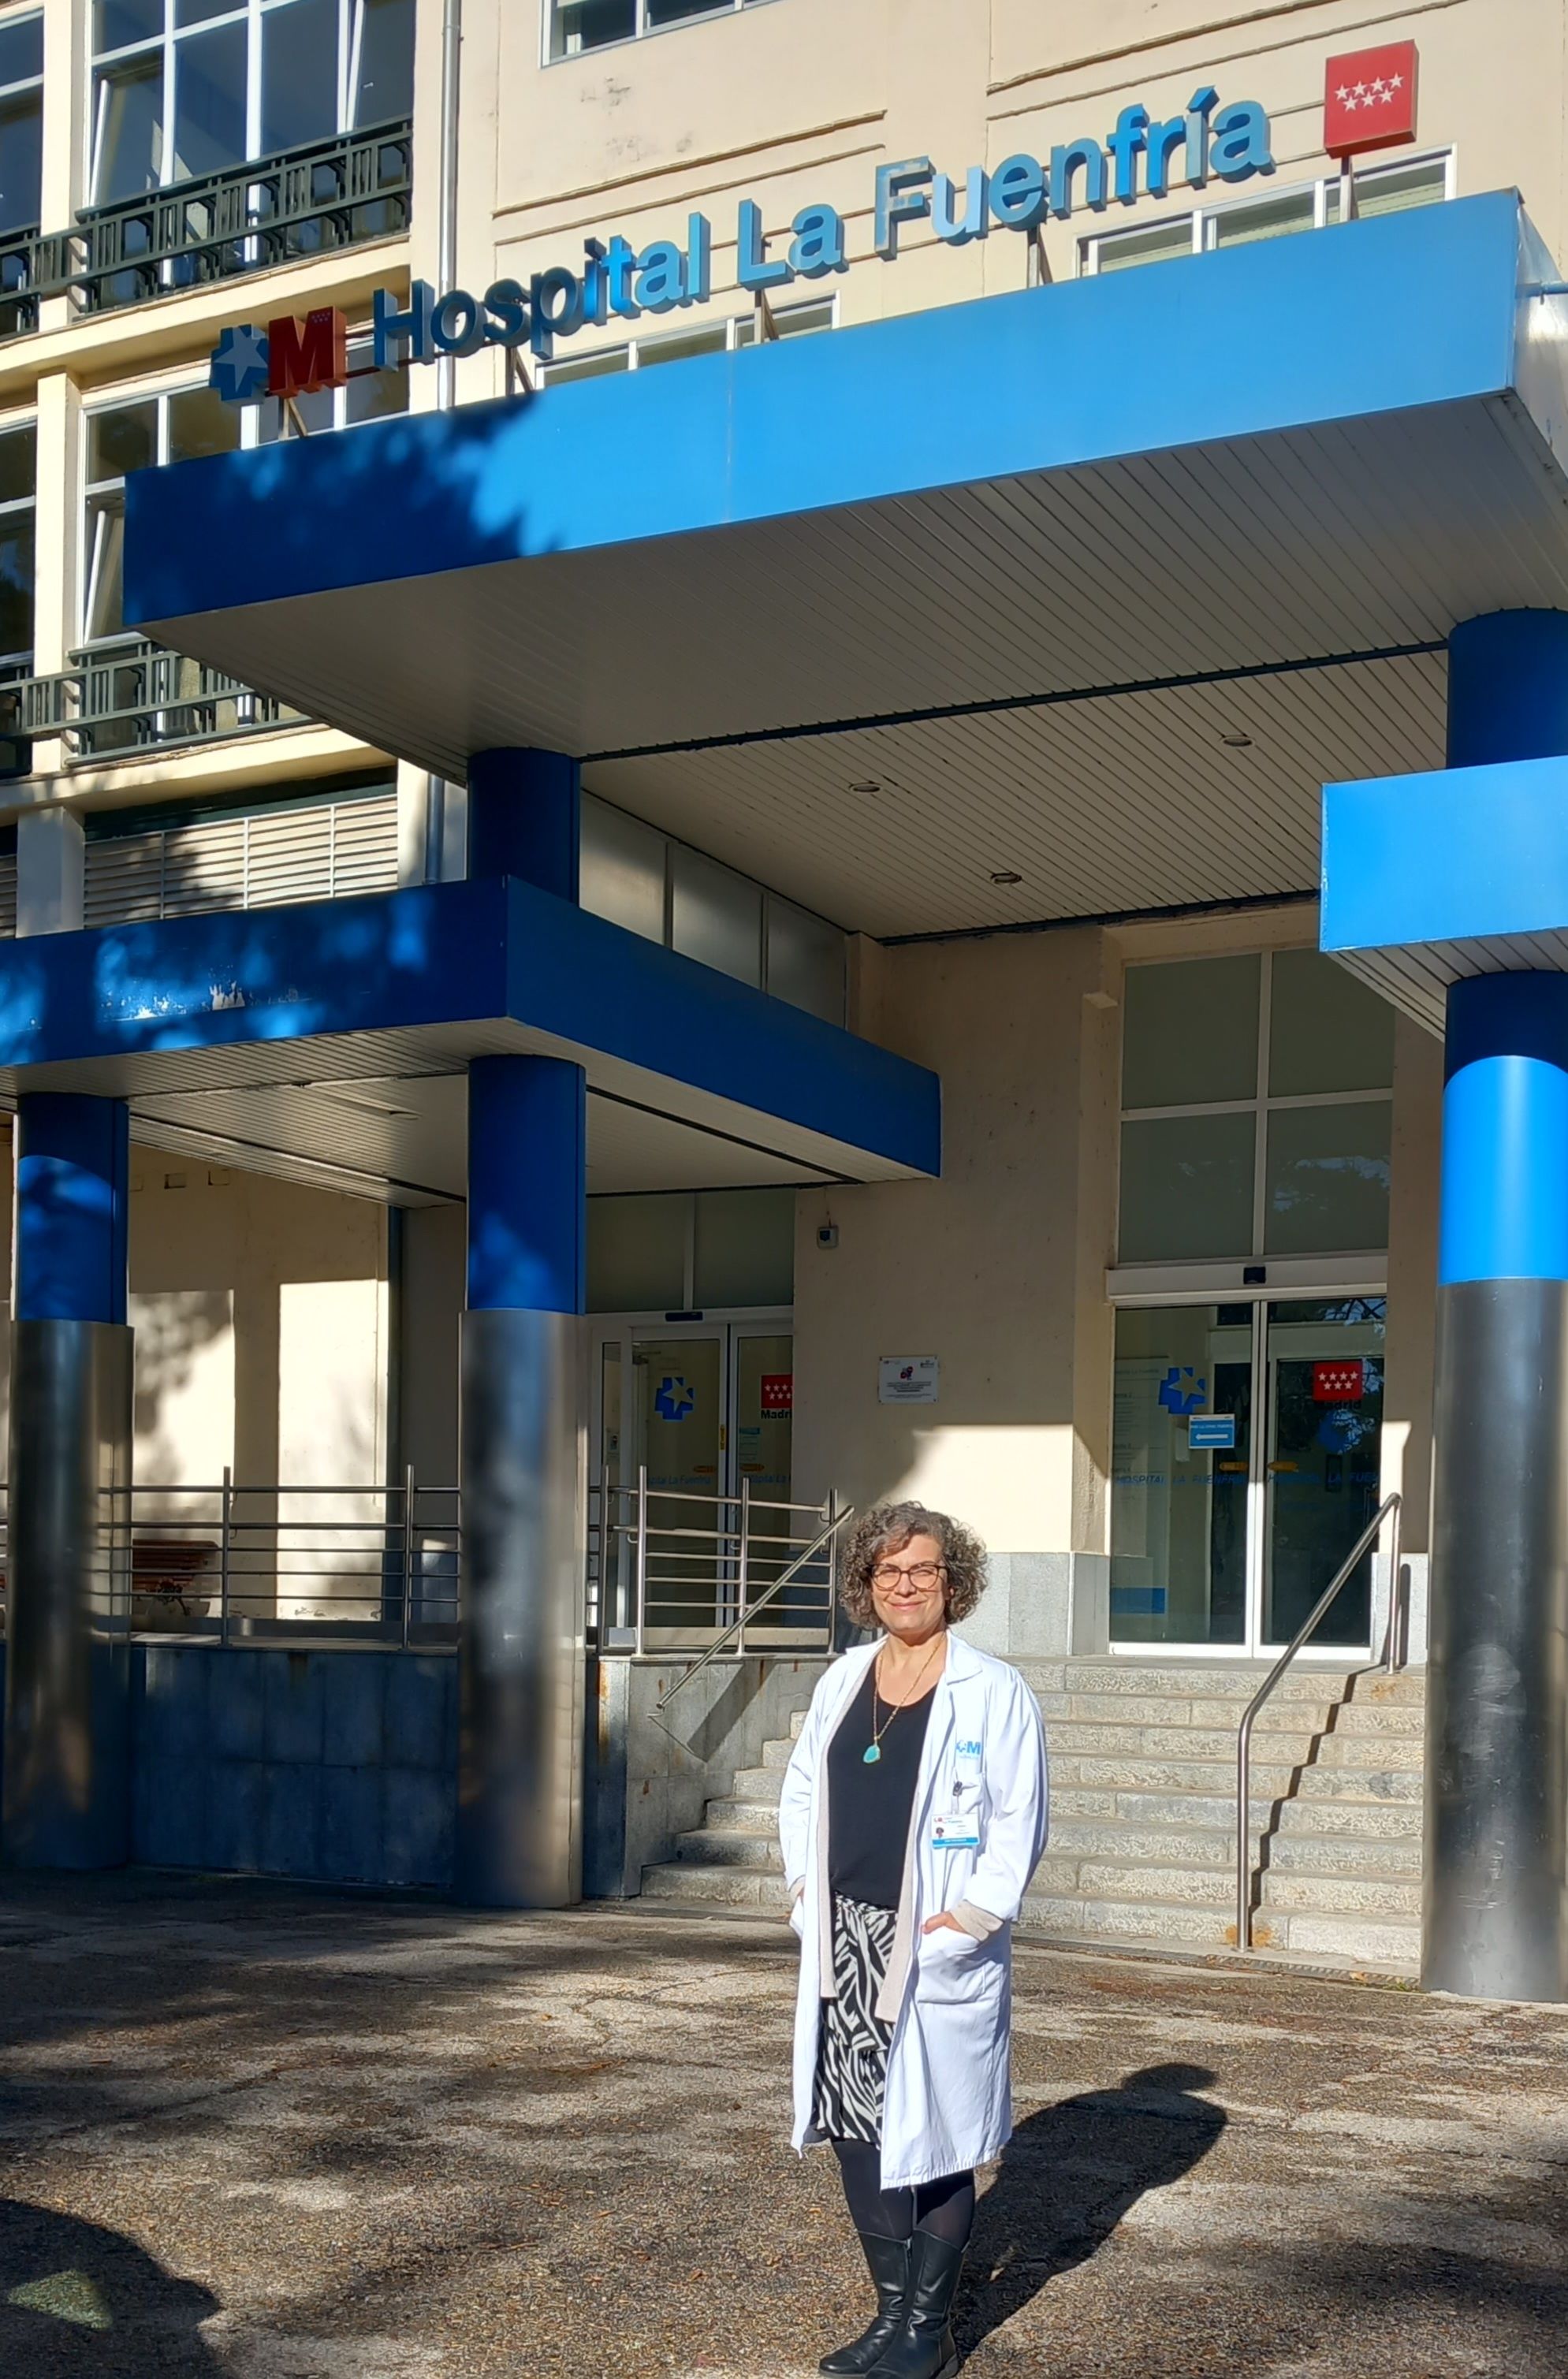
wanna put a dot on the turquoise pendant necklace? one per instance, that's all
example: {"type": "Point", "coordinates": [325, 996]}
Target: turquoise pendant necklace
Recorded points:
{"type": "Point", "coordinates": [873, 1751]}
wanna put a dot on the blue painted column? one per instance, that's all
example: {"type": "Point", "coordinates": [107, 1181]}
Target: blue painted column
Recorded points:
{"type": "Point", "coordinates": [1496, 1875]}
{"type": "Point", "coordinates": [65, 1799]}
{"type": "Point", "coordinates": [522, 1646]}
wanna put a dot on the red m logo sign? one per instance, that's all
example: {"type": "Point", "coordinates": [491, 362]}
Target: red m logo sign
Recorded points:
{"type": "Point", "coordinates": [303, 357]}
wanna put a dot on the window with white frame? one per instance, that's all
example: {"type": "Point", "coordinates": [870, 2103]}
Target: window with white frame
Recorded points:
{"type": "Point", "coordinates": [175, 426]}
{"type": "Point", "coordinates": [573, 26]}
{"type": "Point", "coordinates": [22, 121]}
{"type": "Point", "coordinates": [709, 338]}
{"type": "Point", "coordinates": [1256, 1110]}
{"type": "Point", "coordinates": [663, 889]}
{"type": "Point", "coordinates": [182, 87]}
{"type": "Point", "coordinates": [18, 471]}
{"type": "Point", "coordinates": [1309, 206]}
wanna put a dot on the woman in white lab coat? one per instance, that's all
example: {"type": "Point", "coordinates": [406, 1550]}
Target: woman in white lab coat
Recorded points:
{"type": "Point", "coordinates": [912, 1814]}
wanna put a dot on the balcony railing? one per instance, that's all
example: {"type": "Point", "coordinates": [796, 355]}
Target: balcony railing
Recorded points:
{"type": "Point", "coordinates": [119, 699]}
{"type": "Point", "coordinates": [278, 210]}
{"type": "Point", "coordinates": [32, 266]}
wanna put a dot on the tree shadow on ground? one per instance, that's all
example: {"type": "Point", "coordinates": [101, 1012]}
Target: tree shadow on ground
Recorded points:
{"type": "Point", "coordinates": [1067, 2178]}
{"type": "Point", "coordinates": [79, 2299]}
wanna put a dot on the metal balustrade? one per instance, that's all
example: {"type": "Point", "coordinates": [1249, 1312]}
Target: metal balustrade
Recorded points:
{"type": "Point", "coordinates": [676, 1570]}
{"type": "Point", "coordinates": [320, 1565]}
{"type": "Point", "coordinates": [33, 265]}
{"type": "Point", "coordinates": [133, 697]}
{"type": "Point", "coordinates": [280, 210]}
{"type": "Point", "coordinates": [667, 1571]}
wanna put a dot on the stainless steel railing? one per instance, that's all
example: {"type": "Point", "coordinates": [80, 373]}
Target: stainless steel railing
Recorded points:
{"type": "Point", "coordinates": [677, 1570]}
{"type": "Point", "coordinates": [1392, 1658]}
{"type": "Point", "coordinates": [241, 1563]}
{"type": "Point", "coordinates": [670, 1571]}
{"type": "Point", "coordinates": [249, 1563]}
{"type": "Point", "coordinates": [731, 1642]}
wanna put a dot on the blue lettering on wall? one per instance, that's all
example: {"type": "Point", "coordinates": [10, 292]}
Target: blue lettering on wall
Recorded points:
{"type": "Point", "coordinates": [1138, 156]}
{"type": "Point", "coordinates": [818, 244]}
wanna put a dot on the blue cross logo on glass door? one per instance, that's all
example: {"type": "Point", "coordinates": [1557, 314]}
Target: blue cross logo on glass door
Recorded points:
{"type": "Point", "coordinates": [673, 1400]}
{"type": "Point", "coordinates": [1182, 1392]}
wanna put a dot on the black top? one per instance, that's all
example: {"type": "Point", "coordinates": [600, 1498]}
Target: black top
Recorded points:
{"type": "Point", "coordinates": [869, 1808]}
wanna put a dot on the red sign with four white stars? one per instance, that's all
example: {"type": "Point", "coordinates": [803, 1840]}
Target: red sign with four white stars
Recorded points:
{"type": "Point", "coordinates": [1369, 99]}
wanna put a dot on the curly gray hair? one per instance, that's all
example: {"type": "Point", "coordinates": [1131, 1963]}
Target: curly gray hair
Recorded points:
{"type": "Point", "coordinates": [886, 1528]}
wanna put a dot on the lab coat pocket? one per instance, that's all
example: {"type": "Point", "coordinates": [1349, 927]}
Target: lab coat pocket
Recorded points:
{"type": "Point", "coordinates": [797, 1915]}
{"type": "Point", "coordinates": [955, 1971]}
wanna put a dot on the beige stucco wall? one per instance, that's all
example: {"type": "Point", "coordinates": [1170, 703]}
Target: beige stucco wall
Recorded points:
{"type": "Point", "coordinates": [999, 1268]}
{"type": "Point", "coordinates": [801, 101]}
{"type": "Point", "coordinates": [996, 1269]}
{"type": "Point", "coordinates": [260, 1311]}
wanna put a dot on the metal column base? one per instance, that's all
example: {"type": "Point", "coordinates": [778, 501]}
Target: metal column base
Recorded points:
{"type": "Point", "coordinates": [522, 1644]}
{"type": "Point", "coordinates": [1496, 1892]}
{"type": "Point", "coordinates": [67, 1802]}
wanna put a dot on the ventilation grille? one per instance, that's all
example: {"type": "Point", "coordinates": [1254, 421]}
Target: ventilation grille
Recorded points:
{"type": "Point", "coordinates": [7, 894]}
{"type": "Point", "coordinates": [323, 854]}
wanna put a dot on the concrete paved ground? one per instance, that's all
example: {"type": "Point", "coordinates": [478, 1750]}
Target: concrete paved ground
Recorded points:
{"type": "Point", "coordinates": [286, 2135]}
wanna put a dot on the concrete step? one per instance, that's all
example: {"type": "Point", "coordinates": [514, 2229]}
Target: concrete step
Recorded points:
{"type": "Point", "coordinates": [1323, 1817]}
{"type": "Point", "coordinates": [1062, 1877]}
{"type": "Point", "coordinates": [726, 1887]}
{"type": "Point", "coordinates": [1270, 1774]}
{"type": "Point", "coordinates": [1272, 1737]}
{"type": "Point", "coordinates": [1373, 1894]}
{"type": "Point", "coordinates": [1344, 1855]}
{"type": "Point", "coordinates": [1347, 1940]}
{"type": "Point", "coordinates": [1184, 1846]}
{"type": "Point", "coordinates": [1385, 1782]}
{"type": "Point", "coordinates": [759, 1784]}
{"type": "Point", "coordinates": [731, 1848]}
{"type": "Point", "coordinates": [754, 1817]}
{"type": "Point", "coordinates": [1228, 1681]}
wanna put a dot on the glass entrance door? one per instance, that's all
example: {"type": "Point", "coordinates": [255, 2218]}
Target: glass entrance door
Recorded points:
{"type": "Point", "coordinates": [1246, 1459]}
{"type": "Point", "coordinates": [1325, 1445]}
{"type": "Point", "coordinates": [1181, 1467]}
{"type": "Point", "coordinates": [709, 1408]}
{"type": "Point", "coordinates": [678, 1428]}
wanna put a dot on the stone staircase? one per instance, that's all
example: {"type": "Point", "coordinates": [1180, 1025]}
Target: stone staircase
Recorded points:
{"type": "Point", "coordinates": [1142, 1843]}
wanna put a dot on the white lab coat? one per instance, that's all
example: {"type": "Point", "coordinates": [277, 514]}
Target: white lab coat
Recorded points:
{"type": "Point", "coordinates": [948, 2101]}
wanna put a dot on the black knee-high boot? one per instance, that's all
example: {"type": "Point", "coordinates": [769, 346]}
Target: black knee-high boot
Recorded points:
{"type": "Point", "coordinates": [924, 2348]}
{"type": "Point", "coordinates": [888, 2260]}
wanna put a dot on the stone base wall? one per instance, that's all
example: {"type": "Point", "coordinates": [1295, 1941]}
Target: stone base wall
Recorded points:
{"type": "Point", "coordinates": [332, 1766]}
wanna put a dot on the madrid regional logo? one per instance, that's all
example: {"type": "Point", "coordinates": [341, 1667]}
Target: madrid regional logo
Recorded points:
{"type": "Point", "coordinates": [240, 368]}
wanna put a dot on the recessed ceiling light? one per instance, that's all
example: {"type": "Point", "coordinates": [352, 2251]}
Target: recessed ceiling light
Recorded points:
{"type": "Point", "coordinates": [1237, 741]}
{"type": "Point", "coordinates": [1005, 876]}
{"type": "Point", "coordinates": [867, 785]}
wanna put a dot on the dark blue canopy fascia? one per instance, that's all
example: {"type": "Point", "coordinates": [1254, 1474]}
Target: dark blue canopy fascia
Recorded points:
{"type": "Point", "coordinates": [454, 971]}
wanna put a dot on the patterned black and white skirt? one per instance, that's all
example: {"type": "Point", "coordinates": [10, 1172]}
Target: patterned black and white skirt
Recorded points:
{"type": "Point", "coordinates": [852, 2052]}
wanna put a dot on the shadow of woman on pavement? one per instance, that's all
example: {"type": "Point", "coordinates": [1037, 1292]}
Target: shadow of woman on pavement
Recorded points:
{"type": "Point", "coordinates": [1068, 2176]}
{"type": "Point", "coordinates": [77, 2299]}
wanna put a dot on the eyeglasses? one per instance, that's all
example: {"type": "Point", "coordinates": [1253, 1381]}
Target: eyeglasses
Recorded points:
{"type": "Point", "coordinates": [920, 1574]}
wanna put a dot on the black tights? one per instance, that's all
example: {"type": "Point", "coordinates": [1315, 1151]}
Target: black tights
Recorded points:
{"type": "Point", "coordinates": [944, 2207]}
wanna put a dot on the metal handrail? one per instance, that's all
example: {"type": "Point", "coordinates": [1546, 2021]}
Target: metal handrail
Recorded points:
{"type": "Point", "coordinates": [1389, 1662]}
{"type": "Point", "coordinates": [738, 1626]}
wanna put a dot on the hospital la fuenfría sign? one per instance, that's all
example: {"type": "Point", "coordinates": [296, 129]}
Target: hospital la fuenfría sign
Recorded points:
{"type": "Point", "coordinates": [1368, 102]}
{"type": "Point", "coordinates": [1139, 156]}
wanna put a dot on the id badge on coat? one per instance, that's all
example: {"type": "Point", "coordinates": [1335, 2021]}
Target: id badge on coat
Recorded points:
{"type": "Point", "coordinates": [957, 1828]}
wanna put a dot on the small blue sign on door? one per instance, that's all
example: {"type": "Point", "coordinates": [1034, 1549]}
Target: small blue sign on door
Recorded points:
{"type": "Point", "coordinates": [1211, 1432]}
